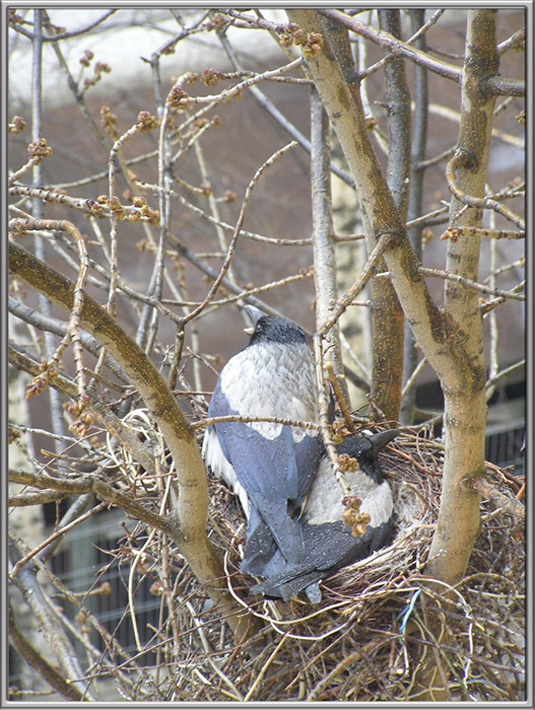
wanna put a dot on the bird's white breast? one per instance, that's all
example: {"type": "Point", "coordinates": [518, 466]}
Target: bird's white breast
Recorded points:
{"type": "Point", "coordinates": [324, 502]}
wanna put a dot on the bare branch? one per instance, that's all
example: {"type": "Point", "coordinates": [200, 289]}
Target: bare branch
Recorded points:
{"type": "Point", "coordinates": [68, 35]}
{"type": "Point", "coordinates": [47, 621]}
{"type": "Point", "coordinates": [210, 421]}
{"type": "Point", "coordinates": [232, 245]}
{"type": "Point", "coordinates": [456, 232]}
{"type": "Point", "coordinates": [91, 484]}
{"type": "Point", "coordinates": [393, 45]}
{"type": "Point", "coordinates": [227, 94]}
{"type": "Point", "coordinates": [57, 534]}
{"type": "Point", "coordinates": [47, 671]}
{"type": "Point", "coordinates": [361, 281]}
{"type": "Point", "coordinates": [415, 209]}
{"type": "Point", "coordinates": [188, 524]}
{"type": "Point", "coordinates": [416, 39]}
{"type": "Point", "coordinates": [507, 505]}
{"type": "Point", "coordinates": [36, 498]}
{"type": "Point", "coordinates": [489, 385]}
{"type": "Point", "coordinates": [471, 284]}
{"type": "Point", "coordinates": [465, 160]}
{"type": "Point", "coordinates": [73, 327]}
{"type": "Point", "coordinates": [278, 116]}
{"type": "Point", "coordinates": [324, 247]}
{"type": "Point", "coordinates": [494, 85]}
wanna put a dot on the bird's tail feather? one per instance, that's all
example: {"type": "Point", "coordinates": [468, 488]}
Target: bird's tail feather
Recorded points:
{"type": "Point", "coordinates": [267, 530]}
{"type": "Point", "coordinates": [259, 549]}
{"type": "Point", "coordinates": [288, 584]}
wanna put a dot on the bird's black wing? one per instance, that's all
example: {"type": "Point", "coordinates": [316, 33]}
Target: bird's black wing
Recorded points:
{"type": "Point", "coordinates": [267, 468]}
{"type": "Point", "coordinates": [329, 544]}
{"type": "Point", "coordinates": [329, 547]}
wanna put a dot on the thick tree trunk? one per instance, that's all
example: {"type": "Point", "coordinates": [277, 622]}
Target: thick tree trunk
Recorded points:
{"type": "Point", "coordinates": [452, 340]}
{"type": "Point", "coordinates": [465, 405]}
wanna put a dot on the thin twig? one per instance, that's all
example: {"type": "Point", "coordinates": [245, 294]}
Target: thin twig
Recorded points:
{"type": "Point", "coordinates": [54, 536]}
{"type": "Point", "coordinates": [210, 421]}
{"type": "Point", "coordinates": [461, 159]}
{"type": "Point", "coordinates": [232, 245]}
{"type": "Point", "coordinates": [412, 40]}
{"type": "Point", "coordinates": [274, 112]}
{"type": "Point", "coordinates": [356, 288]}
{"type": "Point", "coordinates": [73, 328]}
{"type": "Point", "coordinates": [471, 284]}
{"type": "Point", "coordinates": [237, 90]}
{"type": "Point", "coordinates": [224, 225]}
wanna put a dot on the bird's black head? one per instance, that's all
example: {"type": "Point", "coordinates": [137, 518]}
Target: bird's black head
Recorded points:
{"type": "Point", "coordinates": [274, 329]}
{"type": "Point", "coordinates": [365, 450]}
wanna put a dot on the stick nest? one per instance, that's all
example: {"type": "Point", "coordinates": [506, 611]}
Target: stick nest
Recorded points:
{"type": "Point", "coordinates": [373, 632]}
{"type": "Point", "coordinates": [383, 630]}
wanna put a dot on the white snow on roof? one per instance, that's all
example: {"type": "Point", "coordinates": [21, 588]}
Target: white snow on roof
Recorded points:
{"type": "Point", "coordinates": [123, 41]}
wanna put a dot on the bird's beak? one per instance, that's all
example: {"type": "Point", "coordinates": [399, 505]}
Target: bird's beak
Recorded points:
{"type": "Point", "coordinates": [382, 438]}
{"type": "Point", "coordinates": [254, 314]}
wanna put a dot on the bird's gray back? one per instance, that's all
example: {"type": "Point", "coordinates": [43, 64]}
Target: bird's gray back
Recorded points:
{"type": "Point", "coordinates": [280, 389]}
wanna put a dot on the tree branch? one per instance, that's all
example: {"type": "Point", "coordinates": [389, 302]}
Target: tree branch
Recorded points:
{"type": "Point", "coordinates": [47, 622]}
{"type": "Point", "coordinates": [90, 484]}
{"type": "Point", "coordinates": [34, 659]}
{"type": "Point", "coordinates": [274, 112]}
{"type": "Point", "coordinates": [493, 85]}
{"type": "Point", "coordinates": [187, 525]}
{"type": "Point", "coordinates": [387, 315]}
{"type": "Point", "coordinates": [323, 231]}
{"type": "Point", "coordinates": [415, 207]}
{"type": "Point", "coordinates": [464, 160]}
{"type": "Point", "coordinates": [377, 205]}
{"type": "Point", "coordinates": [22, 361]}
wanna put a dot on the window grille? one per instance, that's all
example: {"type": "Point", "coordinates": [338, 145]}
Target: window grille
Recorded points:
{"type": "Point", "coordinates": [504, 446]}
{"type": "Point", "coordinates": [84, 564]}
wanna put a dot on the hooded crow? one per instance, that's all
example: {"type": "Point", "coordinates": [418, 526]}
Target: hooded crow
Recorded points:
{"type": "Point", "coordinates": [269, 465]}
{"type": "Point", "coordinates": [329, 544]}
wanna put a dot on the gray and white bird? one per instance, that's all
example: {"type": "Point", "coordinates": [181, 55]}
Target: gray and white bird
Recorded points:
{"type": "Point", "coordinates": [269, 465]}
{"type": "Point", "coordinates": [329, 544]}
